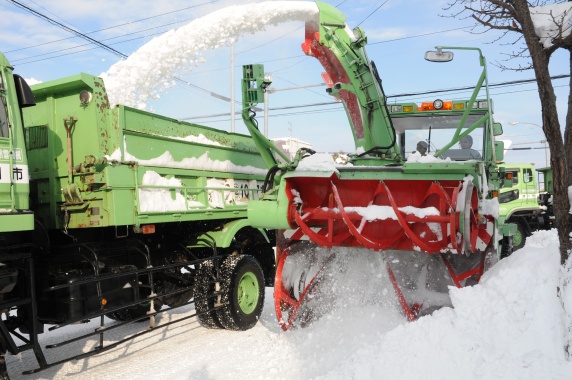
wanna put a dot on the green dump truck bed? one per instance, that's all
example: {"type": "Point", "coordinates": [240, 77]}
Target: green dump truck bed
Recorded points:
{"type": "Point", "coordinates": [119, 166]}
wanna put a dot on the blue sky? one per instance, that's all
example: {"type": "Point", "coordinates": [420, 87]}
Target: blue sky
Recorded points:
{"type": "Point", "coordinates": [399, 32]}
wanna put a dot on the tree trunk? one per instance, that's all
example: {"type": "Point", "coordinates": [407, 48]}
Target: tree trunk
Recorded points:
{"type": "Point", "coordinates": [551, 126]}
{"type": "Point", "coordinates": [568, 143]}
{"type": "Point", "coordinates": [568, 130]}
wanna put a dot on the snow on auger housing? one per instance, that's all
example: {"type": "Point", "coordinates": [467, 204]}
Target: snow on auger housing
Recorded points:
{"type": "Point", "coordinates": [442, 204]}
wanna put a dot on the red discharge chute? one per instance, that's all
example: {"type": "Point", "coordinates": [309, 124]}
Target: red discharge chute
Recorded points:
{"type": "Point", "coordinates": [337, 74]}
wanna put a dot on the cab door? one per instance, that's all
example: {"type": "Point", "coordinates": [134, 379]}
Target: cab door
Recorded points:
{"type": "Point", "coordinates": [529, 192]}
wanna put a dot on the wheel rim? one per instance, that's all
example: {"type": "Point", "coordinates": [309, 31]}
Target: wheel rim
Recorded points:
{"type": "Point", "coordinates": [517, 238]}
{"type": "Point", "coordinates": [248, 292]}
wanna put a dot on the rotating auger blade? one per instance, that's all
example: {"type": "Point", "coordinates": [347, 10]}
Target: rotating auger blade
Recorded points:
{"type": "Point", "coordinates": [421, 215]}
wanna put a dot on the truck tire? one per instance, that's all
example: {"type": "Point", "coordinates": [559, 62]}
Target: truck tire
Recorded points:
{"type": "Point", "coordinates": [133, 312]}
{"type": "Point", "coordinates": [251, 242]}
{"type": "Point", "coordinates": [506, 247]}
{"type": "Point", "coordinates": [174, 281]}
{"type": "Point", "coordinates": [519, 237]}
{"type": "Point", "coordinates": [3, 369]}
{"type": "Point", "coordinates": [242, 291]}
{"type": "Point", "coordinates": [204, 300]}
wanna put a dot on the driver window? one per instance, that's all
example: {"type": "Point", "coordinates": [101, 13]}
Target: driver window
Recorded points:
{"type": "Point", "coordinates": [527, 177]}
{"type": "Point", "coordinates": [4, 132]}
{"type": "Point", "coordinates": [3, 118]}
{"type": "Point", "coordinates": [515, 174]}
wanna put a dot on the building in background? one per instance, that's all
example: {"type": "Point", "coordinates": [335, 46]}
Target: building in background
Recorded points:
{"type": "Point", "coordinates": [290, 145]}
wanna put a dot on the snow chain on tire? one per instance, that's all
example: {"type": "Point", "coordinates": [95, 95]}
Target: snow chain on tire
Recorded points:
{"type": "Point", "coordinates": [204, 300]}
{"type": "Point", "coordinates": [242, 288]}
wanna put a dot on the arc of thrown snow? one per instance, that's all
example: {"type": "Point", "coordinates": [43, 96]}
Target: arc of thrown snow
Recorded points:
{"type": "Point", "coordinates": [131, 81]}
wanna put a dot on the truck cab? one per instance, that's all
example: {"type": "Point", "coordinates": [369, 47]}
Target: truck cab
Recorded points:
{"type": "Point", "coordinates": [433, 124]}
{"type": "Point", "coordinates": [15, 94]}
{"type": "Point", "coordinates": [519, 203]}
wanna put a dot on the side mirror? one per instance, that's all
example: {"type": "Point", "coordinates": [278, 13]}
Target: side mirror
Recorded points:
{"type": "Point", "coordinates": [439, 56]}
{"type": "Point", "coordinates": [24, 92]}
{"type": "Point", "coordinates": [497, 129]}
{"type": "Point", "coordinates": [499, 150]}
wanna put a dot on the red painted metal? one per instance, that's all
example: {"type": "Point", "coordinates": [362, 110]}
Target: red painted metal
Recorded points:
{"type": "Point", "coordinates": [332, 214]}
{"type": "Point", "coordinates": [457, 278]}
{"type": "Point", "coordinates": [287, 306]}
{"type": "Point", "coordinates": [337, 73]}
{"type": "Point", "coordinates": [411, 313]}
{"type": "Point", "coordinates": [284, 300]}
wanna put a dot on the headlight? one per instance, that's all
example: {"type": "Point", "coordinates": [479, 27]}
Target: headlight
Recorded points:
{"type": "Point", "coordinates": [482, 104]}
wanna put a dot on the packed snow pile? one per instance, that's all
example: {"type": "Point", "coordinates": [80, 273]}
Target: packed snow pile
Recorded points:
{"type": "Point", "coordinates": [566, 300]}
{"type": "Point", "coordinates": [150, 70]}
{"type": "Point", "coordinates": [507, 327]}
{"type": "Point", "coordinates": [510, 326]}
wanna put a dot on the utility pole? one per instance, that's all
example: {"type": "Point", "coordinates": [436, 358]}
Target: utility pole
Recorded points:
{"type": "Point", "coordinates": [232, 87]}
{"type": "Point", "coordinates": [545, 141]}
{"type": "Point", "coordinates": [290, 141]}
{"type": "Point", "coordinates": [271, 90]}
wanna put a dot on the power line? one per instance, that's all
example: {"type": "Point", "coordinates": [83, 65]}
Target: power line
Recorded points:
{"type": "Point", "coordinates": [340, 109]}
{"type": "Point", "coordinates": [53, 14]}
{"type": "Point", "coordinates": [79, 46]}
{"type": "Point", "coordinates": [116, 52]}
{"type": "Point", "coordinates": [66, 28]}
{"type": "Point", "coordinates": [419, 35]}
{"type": "Point", "coordinates": [521, 81]}
{"type": "Point", "coordinates": [26, 60]}
{"type": "Point", "coordinates": [199, 72]}
{"type": "Point", "coordinates": [108, 48]}
{"type": "Point", "coordinates": [120, 25]}
{"type": "Point", "coordinates": [375, 10]}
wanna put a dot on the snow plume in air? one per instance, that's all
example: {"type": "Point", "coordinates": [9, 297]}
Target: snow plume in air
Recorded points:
{"type": "Point", "coordinates": [150, 70]}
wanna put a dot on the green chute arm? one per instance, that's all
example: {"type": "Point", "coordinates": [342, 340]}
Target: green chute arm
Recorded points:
{"type": "Point", "coordinates": [356, 81]}
{"type": "Point", "coordinates": [253, 86]}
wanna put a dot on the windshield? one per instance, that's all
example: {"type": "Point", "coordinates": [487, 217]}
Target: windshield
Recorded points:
{"type": "Point", "coordinates": [432, 132]}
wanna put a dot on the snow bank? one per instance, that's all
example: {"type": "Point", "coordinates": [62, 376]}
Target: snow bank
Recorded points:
{"type": "Point", "coordinates": [504, 328]}
{"type": "Point", "coordinates": [566, 298]}
{"type": "Point", "coordinates": [509, 327]}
